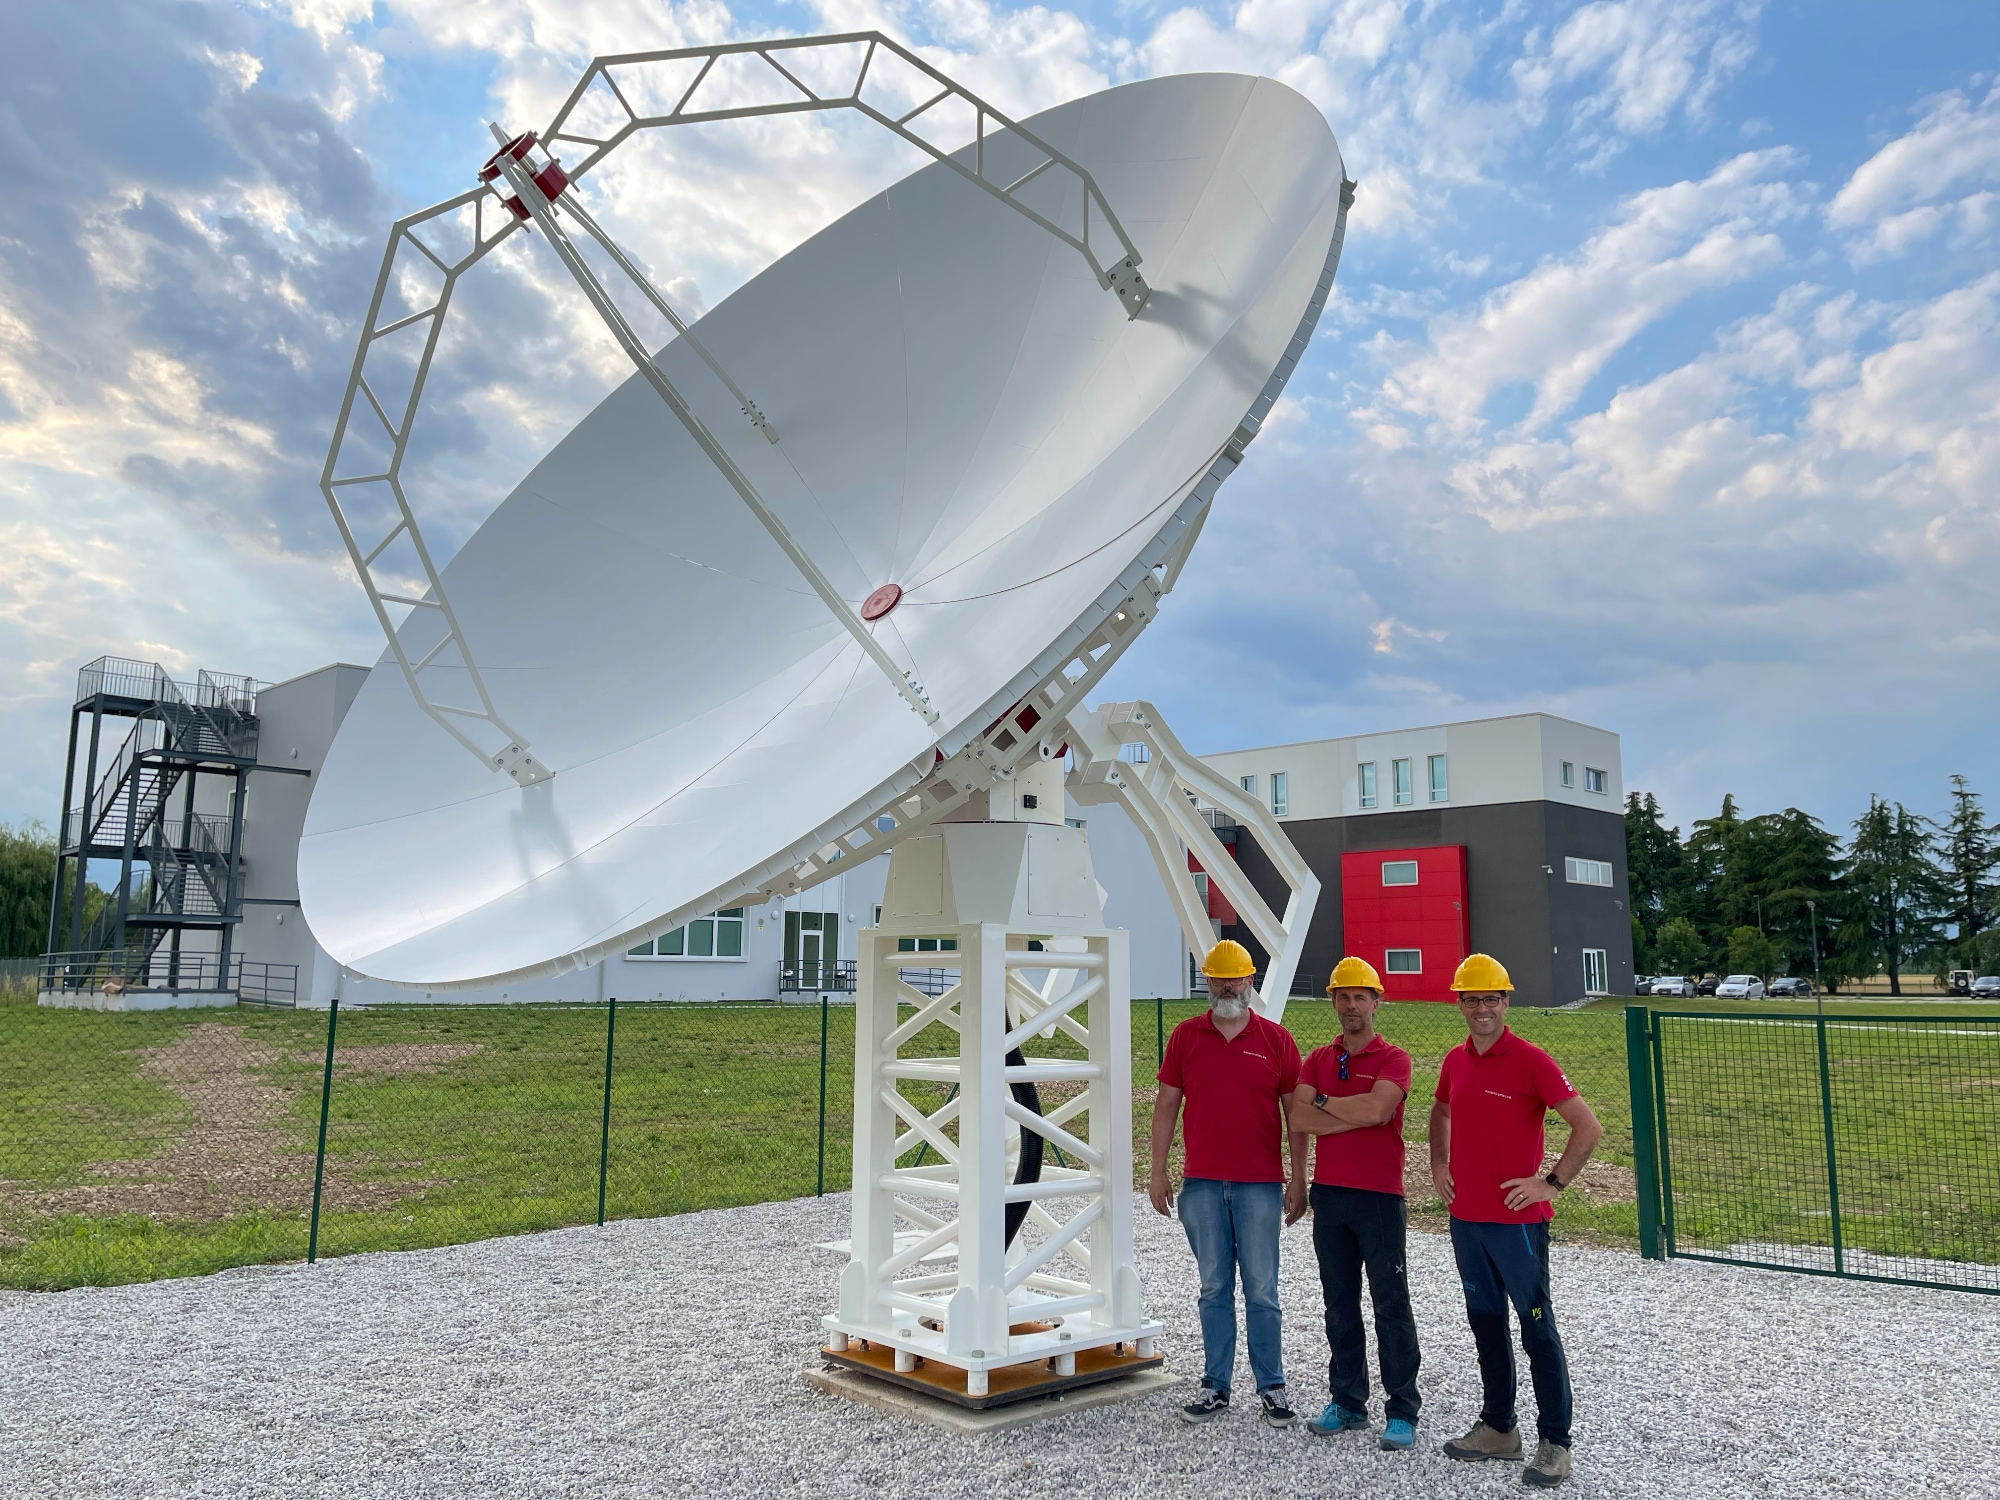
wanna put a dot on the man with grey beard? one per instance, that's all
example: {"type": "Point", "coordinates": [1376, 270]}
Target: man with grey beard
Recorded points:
{"type": "Point", "coordinates": [1235, 1070]}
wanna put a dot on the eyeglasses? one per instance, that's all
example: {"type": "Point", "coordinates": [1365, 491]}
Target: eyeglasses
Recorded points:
{"type": "Point", "coordinates": [1485, 1002]}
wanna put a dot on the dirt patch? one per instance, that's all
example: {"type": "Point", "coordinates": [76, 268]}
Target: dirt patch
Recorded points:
{"type": "Point", "coordinates": [237, 1152]}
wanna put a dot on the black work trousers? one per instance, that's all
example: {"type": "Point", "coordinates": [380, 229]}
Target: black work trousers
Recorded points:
{"type": "Point", "coordinates": [1353, 1230]}
{"type": "Point", "coordinates": [1499, 1264]}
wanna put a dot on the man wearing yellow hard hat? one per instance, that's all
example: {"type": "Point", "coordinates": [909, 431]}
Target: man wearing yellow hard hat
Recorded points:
{"type": "Point", "coordinates": [1234, 1070]}
{"type": "Point", "coordinates": [1350, 1099]}
{"type": "Point", "coordinates": [1493, 1091]}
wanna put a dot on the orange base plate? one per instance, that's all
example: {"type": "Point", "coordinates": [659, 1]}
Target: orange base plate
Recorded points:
{"type": "Point", "coordinates": [1006, 1384]}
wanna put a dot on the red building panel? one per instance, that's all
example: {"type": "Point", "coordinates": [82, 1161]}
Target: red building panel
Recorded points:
{"type": "Point", "coordinates": [1431, 916]}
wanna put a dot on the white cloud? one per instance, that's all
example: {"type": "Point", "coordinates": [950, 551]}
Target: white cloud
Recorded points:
{"type": "Point", "coordinates": [1939, 176]}
{"type": "Point", "coordinates": [1555, 328]}
{"type": "Point", "coordinates": [1648, 60]}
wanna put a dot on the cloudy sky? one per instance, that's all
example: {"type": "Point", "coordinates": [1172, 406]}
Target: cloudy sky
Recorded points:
{"type": "Point", "coordinates": [1660, 389]}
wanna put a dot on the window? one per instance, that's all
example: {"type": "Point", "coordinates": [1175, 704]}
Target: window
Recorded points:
{"type": "Point", "coordinates": [1399, 872]}
{"type": "Point", "coordinates": [1280, 793]}
{"type": "Point", "coordinates": [1569, 773]}
{"type": "Point", "coordinates": [1248, 783]}
{"type": "Point", "coordinates": [1401, 771]}
{"type": "Point", "coordinates": [1594, 780]}
{"type": "Point", "coordinates": [1368, 783]}
{"type": "Point", "coordinates": [927, 945]}
{"type": "Point", "coordinates": [1596, 972]}
{"type": "Point", "coordinates": [717, 935]}
{"type": "Point", "coordinates": [1439, 789]}
{"type": "Point", "coordinates": [1587, 871]}
{"type": "Point", "coordinates": [1404, 960]}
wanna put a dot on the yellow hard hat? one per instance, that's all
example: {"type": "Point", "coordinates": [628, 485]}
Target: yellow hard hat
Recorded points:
{"type": "Point", "coordinates": [1228, 959]}
{"type": "Point", "coordinates": [1354, 974]}
{"type": "Point", "coordinates": [1482, 974]}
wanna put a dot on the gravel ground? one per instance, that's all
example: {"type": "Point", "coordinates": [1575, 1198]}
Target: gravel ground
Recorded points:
{"type": "Point", "coordinates": [587, 1362]}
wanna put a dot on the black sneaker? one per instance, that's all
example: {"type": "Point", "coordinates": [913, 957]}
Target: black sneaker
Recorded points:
{"type": "Point", "coordinates": [1277, 1406]}
{"type": "Point", "coordinates": [1206, 1407]}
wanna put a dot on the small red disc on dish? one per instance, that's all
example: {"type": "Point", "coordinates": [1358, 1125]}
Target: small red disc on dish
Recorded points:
{"type": "Point", "coordinates": [881, 601]}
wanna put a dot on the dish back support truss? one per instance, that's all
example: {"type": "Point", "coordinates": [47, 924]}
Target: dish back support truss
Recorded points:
{"type": "Point", "coordinates": [512, 195]}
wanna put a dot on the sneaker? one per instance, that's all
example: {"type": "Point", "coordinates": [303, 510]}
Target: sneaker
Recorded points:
{"type": "Point", "coordinates": [1337, 1418]}
{"type": "Point", "coordinates": [1206, 1407]}
{"type": "Point", "coordinates": [1277, 1406]}
{"type": "Point", "coordinates": [1484, 1443]}
{"type": "Point", "coordinates": [1400, 1434]}
{"type": "Point", "coordinates": [1550, 1468]}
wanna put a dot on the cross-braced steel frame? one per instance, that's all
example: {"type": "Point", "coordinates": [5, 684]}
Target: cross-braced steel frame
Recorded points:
{"type": "Point", "coordinates": [1003, 1304]}
{"type": "Point", "coordinates": [514, 191]}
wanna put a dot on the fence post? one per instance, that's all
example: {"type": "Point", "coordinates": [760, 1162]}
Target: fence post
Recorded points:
{"type": "Point", "coordinates": [604, 1141]}
{"type": "Point", "coordinates": [1159, 1030]}
{"type": "Point", "coordinates": [1832, 1173]}
{"type": "Point", "coordinates": [1645, 1130]}
{"type": "Point", "coordinates": [819, 1182]}
{"type": "Point", "coordinates": [325, 1097]}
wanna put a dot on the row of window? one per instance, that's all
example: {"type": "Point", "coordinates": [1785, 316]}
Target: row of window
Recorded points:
{"type": "Point", "coordinates": [1402, 782]}
{"type": "Point", "coordinates": [1594, 780]}
{"type": "Point", "coordinates": [1596, 967]}
{"type": "Point", "coordinates": [1281, 791]}
{"type": "Point", "coordinates": [1578, 871]}
{"type": "Point", "coordinates": [719, 935]}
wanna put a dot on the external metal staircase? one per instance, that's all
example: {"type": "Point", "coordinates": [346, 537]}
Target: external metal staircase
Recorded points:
{"type": "Point", "coordinates": [166, 806]}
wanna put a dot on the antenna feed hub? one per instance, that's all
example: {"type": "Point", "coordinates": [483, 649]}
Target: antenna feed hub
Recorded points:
{"type": "Point", "coordinates": [547, 175]}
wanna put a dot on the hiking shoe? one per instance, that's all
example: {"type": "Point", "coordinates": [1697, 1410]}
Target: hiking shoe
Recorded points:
{"type": "Point", "coordinates": [1206, 1407]}
{"type": "Point", "coordinates": [1337, 1418]}
{"type": "Point", "coordinates": [1399, 1434]}
{"type": "Point", "coordinates": [1550, 1468]}
{"type": "Point", "coordinates": [1277, 1406]}
{"type": "Point", "coordinates": [1484, 1443]}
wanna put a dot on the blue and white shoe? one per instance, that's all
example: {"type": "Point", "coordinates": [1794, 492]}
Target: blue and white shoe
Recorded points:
{"type": "Point", "coordinates": [1337, 1418]}
{"type": "Point", "coordinates": [1399, 1435]}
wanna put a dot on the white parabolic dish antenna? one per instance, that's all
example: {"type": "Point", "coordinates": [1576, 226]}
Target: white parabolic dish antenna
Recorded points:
{"type": "Point", "coordinates": [961, 410]}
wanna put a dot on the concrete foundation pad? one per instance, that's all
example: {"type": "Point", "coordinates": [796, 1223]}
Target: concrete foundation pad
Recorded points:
{"type": "Point", "coordinates": [136, 999]}
{"type": "Point", "coordinates": [885, 1397]}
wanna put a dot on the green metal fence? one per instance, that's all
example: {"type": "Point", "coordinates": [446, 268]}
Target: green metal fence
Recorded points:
{"type": "Point", "coordinates": [141, 1145]}
{"type": "Point", "coordinates": [1865, 1146]}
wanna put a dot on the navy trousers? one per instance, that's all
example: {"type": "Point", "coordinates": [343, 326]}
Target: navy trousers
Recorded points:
{"type": "Point", "coordinates": [1499, 1264]}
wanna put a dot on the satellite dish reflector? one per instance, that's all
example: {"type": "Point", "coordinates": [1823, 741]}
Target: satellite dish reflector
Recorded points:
{"type": "Point", "coordinates": [979, 449]}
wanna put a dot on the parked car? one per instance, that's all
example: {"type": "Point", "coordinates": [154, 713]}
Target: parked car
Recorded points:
{"type": "Point", "coordinates": [1790, 989]}
{"type": "Point", "coordinates": [1642, 984]}
{"type": "Point", "coordinates": [1740, 987]}
{"type": "Point", "coordinates": [1986, 987]}
{"type": "Point", "coordinates": [1708, 986]}
{"type": "Point", "coordinates": [1959, 982]}
{"type": "Point", "coordinates": [1673, 984]}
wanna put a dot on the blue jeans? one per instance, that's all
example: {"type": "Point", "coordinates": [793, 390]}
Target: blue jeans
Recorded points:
{"type": "Point", "coordinates": [1232, 1227]}
{"type": "Point", "coordinates": [1498, 1264]}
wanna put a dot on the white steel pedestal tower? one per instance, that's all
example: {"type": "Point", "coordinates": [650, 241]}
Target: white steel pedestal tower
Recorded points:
{"type": "Point", "coordinates": [1044, 1260]}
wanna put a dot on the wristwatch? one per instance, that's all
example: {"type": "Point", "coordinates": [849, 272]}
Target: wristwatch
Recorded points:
{"type": "Point", "coordinates": [1554, 1181]}
{"type": "Point", "coordinates": [1319, 1101]}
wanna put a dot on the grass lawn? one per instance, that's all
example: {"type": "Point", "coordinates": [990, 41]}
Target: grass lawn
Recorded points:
{"type": "Point", "coordinates": [147, 1145]}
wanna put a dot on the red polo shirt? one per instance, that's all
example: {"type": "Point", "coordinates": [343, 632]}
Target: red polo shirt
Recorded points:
{"type": "Point", "coordinates": [1371, 1157]}
{"type": "Point", "coordinates": [1497, 1103]}
{"type": "Point", "coordinates": [1233, 1131]}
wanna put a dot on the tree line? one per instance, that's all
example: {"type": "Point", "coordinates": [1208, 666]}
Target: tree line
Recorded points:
{"type": "Point", "coordinates": [1901, 894]}
{"type": "Point", "coordinates": [27, 882]}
